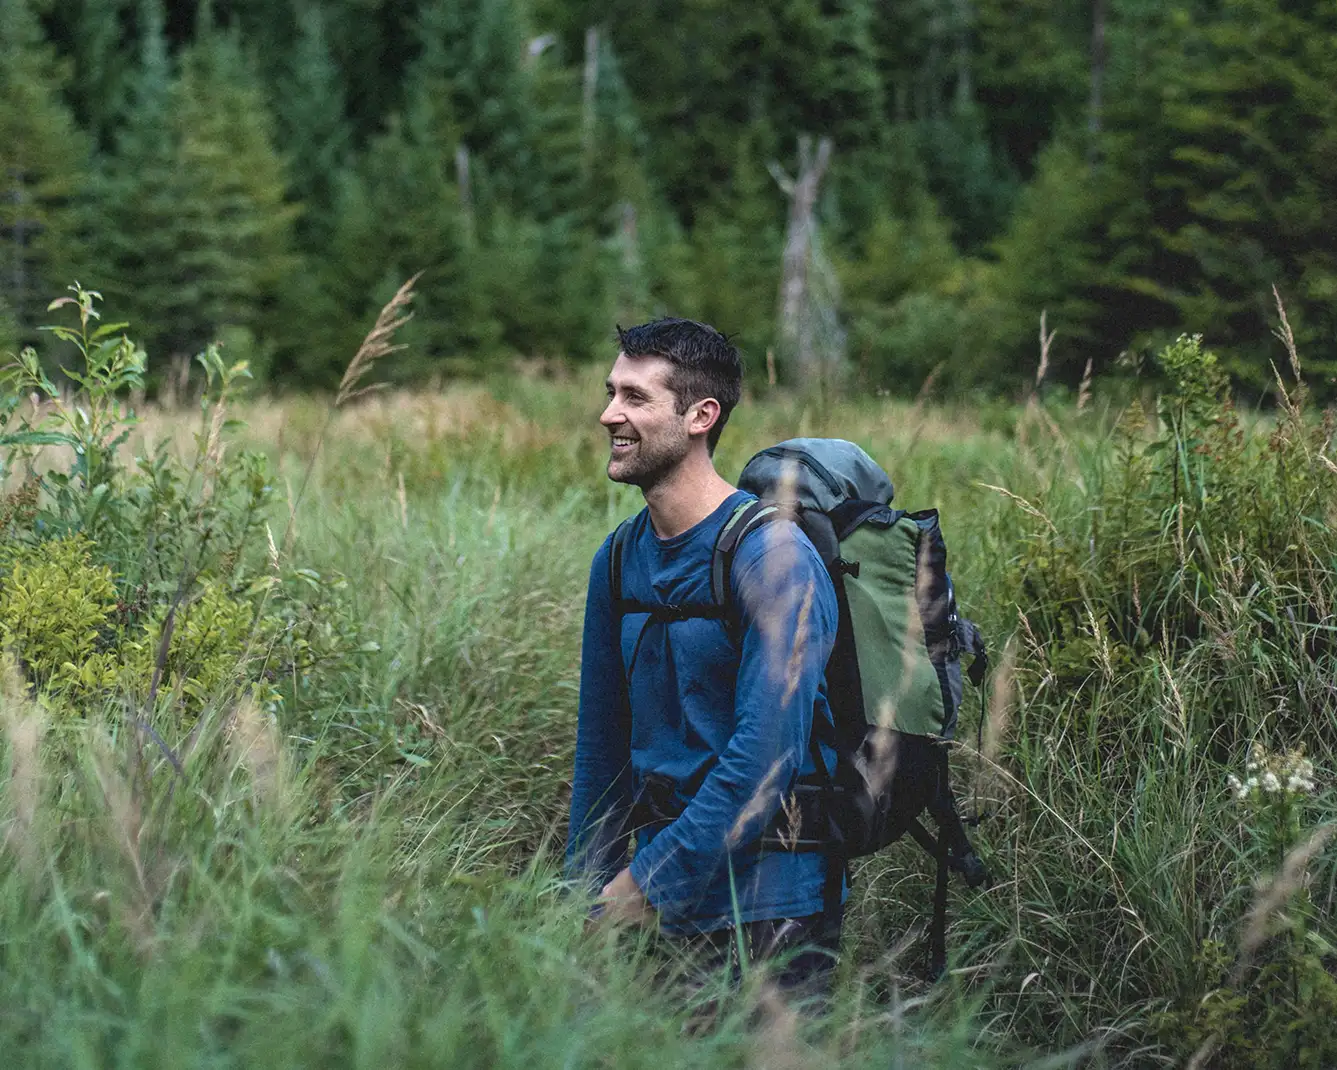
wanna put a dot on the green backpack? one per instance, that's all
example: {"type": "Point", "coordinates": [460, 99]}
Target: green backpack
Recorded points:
{"type": "Point", "coordinates": [894, 679]}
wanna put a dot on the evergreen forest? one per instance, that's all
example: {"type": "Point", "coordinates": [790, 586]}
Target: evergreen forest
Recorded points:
{"type": "Point", "coordinates": [936, 174]}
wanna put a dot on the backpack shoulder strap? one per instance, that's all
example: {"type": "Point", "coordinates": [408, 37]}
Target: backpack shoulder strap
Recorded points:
{"type": "Point", "coordinates": [615, 565]}
{"type": "Point", "coordinates": [746, 518]}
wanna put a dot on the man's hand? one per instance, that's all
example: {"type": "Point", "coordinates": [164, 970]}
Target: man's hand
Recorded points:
{"type": "Point", "coordinates": [623, 901]}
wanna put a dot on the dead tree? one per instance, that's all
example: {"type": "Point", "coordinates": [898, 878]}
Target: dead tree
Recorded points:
{"type": "Point", "coordinates": [810, 336]}
{"type": "Point", "coordinates": [589, 89]}
{"type": "Point", "coordinates": [633, 295]}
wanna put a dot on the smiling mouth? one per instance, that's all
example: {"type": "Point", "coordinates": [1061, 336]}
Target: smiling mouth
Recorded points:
{"type": "Point", "coordinates": [621, 444]}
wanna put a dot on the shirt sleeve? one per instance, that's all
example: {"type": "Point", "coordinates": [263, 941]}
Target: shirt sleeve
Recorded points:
{"type": "Point", "coordinates": [596, 842]}
{"type": "Point", "coordinates": [788, 626]}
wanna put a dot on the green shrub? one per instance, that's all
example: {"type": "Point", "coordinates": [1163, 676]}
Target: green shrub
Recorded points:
{"type": "Point", "coordinates": [57, 615]}
{"type": "Point", "coordinates": [1172, 576]}
{"type": "Point", "coordinates": [206, 652]}
{"type": "Point", "coordinates": [1193, 526]}
{"type": "Point", "coordinates": [157, 578]}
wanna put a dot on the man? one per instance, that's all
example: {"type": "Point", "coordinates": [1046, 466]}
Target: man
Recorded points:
{"type": "Point", "coordinates": [715, 716]}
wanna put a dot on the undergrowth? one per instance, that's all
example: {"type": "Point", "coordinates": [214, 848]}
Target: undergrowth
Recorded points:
{"type": "Point", "coordinates": [289, 714]}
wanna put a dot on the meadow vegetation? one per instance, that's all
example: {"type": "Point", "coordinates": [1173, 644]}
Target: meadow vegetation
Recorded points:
{"type": "Point", "coordinates": [256, 170]}
{"type": "Point", "coordinates": [288, 715]}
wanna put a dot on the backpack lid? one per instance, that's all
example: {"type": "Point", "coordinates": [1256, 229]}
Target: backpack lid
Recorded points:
{"type": "Point", "coordinates": [824, 472]}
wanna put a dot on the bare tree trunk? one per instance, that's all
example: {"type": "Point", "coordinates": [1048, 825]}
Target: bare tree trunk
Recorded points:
{"type": "Point", "coordinates": [1094, 117]}
{"type": "Point", "coordinates": [798, 318]}
{"type": "Point", "coordinates": [632, 292]}
{"type": "Point", "coordinates": [589, 87]}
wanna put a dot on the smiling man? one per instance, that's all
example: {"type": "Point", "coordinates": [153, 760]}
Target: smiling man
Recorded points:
{"type": "Point", "coordinates": [695, 726]}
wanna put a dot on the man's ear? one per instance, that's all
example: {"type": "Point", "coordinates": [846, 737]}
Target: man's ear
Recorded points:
{"type": "Point", "coordinates": [703, 416]}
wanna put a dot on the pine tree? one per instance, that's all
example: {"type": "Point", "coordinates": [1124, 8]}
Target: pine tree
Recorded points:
{"type": "Point", "coordinates": [102, 66]}
{"type": "Point", "coordinates": [737, 244]}
{"type": "Point", "coordinates": [902, 282]}
{"type": "Point", "coordinates": [42, 161]}
{"type": "Point", "coordinates": [195, 229]}
{"type": "Point", "coordinates": [473, 63]}
{"type": "Point", "coordinates": [1049, 261]}
{"type": "Point", "coordinates": [310, 110]}
{"type": "Point", "coordinates": [1248, 195]}
{"type": "Point", "coordinates": [1031, 72]}
{"type": "Point", "coordinates": [374, 42]}
{"type": "Point", "coordinates": [133, 208]}
{"type": "Point", "coordinates": [824, 73]}
{"type": "Point", "coordinates": [398, 213]}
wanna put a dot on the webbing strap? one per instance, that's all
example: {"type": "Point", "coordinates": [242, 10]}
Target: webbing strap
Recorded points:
{"type": "Point", "coordinates": [615, 565]}
{"type": "Point", "coordinates": [668, 612]}
{"type": "Point", "coordinates": [937, 940]}
{"type": "Point", "coordinates": [747, 516]}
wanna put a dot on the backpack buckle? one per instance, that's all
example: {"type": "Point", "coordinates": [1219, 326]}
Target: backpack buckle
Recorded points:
{"type": "Point", "coordinates": [656, 802]}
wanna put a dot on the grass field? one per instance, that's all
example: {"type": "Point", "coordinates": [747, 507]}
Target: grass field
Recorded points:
{"type": "Point", "coordinates": [363, 870]}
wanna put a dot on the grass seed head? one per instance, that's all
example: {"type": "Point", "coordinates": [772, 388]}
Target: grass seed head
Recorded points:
{"type": "Point", "coordinates": [378, 343]}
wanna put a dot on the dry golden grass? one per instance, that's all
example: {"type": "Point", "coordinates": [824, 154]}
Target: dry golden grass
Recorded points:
{"type": "Point", "coordinates": [24, 726]}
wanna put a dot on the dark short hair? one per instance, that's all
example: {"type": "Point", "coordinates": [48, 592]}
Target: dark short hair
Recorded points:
{"type": "Point", "coordinates": [705, 364]}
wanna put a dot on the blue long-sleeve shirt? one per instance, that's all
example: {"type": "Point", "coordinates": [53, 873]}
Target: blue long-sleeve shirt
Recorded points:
{"type": "Point", "coordinates": [727, 720]}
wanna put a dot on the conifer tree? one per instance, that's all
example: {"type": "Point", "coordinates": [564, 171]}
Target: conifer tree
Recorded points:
{"type": "Point", "coordinates": [472, 61]}
{"type": "Point", "coordinates": [102, 67]}
{"type": "Point", "coordinates": [1048, 261]}
{"type": "Point", "coordinates": [902, 282]}
{"type": "Point", "coordinates": [42, 162]}
{"type": "Point", "coordinates": [1031, 72]}
{"type": "Point", "coordinates": [398, 213]}
{"type": "Point", "coordinates": [739, 238]}
{"type": "Point", "coordinates": [196, 231]}
{"type": "Point", "coordinates": [1249, 192]}
{"type": "Point", "coordinates": [312, 124]}
{"type": "Point", "coordinates": [542, 261]}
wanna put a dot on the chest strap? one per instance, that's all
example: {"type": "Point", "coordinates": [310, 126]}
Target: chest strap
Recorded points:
{"type": "Point", "coordinates": [668, 612]}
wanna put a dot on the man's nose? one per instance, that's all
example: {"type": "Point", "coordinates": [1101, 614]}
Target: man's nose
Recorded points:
{"type": "Point", "coordinates": [612, 414]}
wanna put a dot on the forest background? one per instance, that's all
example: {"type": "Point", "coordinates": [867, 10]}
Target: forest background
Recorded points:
{"type": "Point", "coordinates": [269, 172]}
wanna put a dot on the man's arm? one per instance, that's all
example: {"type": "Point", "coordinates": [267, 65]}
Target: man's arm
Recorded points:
{"type": "Point", "coordinates": [596, 840]}
{"type": "Point", "coordinates": [788, 610]}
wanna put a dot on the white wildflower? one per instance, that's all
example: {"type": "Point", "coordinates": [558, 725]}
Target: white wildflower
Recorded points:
{"type": "Point", "coordinates": [1284, 774]}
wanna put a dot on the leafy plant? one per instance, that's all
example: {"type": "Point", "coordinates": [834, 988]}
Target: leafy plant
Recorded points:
{"type": "Point", "coordinates": [1195, 526]}
{"type": "Point", "coordinates": [148, 578]}
{"type": "Point", "coordinates": [57, 615]}
{"type": "Point", "coordinates": [93, 425]}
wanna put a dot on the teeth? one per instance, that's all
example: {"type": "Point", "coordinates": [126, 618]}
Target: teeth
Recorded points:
{"type": "Point", "coordinates": [623, 441]}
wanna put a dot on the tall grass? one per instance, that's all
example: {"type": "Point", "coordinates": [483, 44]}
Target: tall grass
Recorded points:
{"type": "Point", "coordinates": [372, 877]}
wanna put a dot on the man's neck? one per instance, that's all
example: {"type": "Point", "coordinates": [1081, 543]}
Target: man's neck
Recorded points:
{"type": "Point", "coordinates": [686, 497]}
